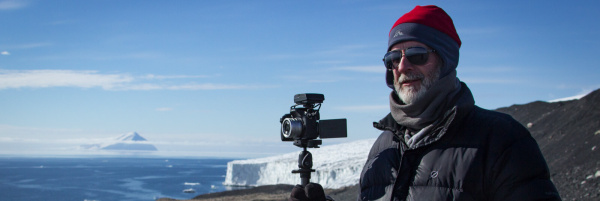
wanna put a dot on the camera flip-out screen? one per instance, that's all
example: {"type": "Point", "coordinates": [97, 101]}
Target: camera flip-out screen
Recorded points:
{"type": "Point", "coordinates": [333, 128]}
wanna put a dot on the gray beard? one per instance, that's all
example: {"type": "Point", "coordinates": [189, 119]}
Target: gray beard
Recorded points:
{"type": "Point", "coordinates": [411, 94]}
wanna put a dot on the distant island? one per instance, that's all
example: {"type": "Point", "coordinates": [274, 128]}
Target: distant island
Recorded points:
{"type": "Point", "coordinates": [127, 142]}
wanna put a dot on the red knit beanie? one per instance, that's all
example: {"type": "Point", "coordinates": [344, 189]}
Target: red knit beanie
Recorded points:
{"type": "Point", "coordinates": [433, 27]}
{"type": "Point", "coordinates": [431, 16]}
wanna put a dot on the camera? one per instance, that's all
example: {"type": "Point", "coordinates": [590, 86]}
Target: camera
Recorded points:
{"type": "Point", "coordinates": [303, 125]}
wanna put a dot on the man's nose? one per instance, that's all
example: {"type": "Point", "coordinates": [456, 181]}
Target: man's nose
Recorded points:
{"type": "Point", "coordinates": [404, 65]}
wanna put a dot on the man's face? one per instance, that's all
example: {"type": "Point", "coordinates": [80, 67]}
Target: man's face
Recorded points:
{"type": "Point", "coordinates": [412, 81]}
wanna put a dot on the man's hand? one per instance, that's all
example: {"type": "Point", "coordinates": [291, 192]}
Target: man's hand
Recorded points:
{"type": "Point", "coordinates": [312, 192]}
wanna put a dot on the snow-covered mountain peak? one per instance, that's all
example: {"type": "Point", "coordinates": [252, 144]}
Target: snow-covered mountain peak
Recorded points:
{"type": "Point", "coordinates": [132, 136]}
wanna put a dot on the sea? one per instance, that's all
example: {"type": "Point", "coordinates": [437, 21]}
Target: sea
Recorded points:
{"type": "Point", "coordinates": [106, 179]}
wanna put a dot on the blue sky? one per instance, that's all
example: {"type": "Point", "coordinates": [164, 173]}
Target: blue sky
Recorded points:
{"type": "Point", "coordinates": [212, 78]}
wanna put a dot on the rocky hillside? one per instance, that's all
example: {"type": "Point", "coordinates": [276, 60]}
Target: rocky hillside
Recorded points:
{"type": "Point", "coordinates": [568, 134]}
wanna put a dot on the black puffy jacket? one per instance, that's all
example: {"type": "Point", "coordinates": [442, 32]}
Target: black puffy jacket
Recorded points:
{"type": "Point", "coordinates": [474, 154]}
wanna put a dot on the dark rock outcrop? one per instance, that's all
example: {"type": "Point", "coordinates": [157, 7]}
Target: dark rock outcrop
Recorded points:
{"type": "Point", "coordinates": [568, 134]}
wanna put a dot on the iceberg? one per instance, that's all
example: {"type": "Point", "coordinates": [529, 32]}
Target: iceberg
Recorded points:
{"type": "Point", "coordinates": [336, 166]}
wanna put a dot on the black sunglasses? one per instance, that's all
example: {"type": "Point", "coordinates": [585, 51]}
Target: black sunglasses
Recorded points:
{"type": "Point", "coordinates": [415, 55]}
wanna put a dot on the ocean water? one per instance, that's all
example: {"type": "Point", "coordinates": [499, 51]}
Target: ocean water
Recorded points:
{"type": "Point", "coordinates": [104, 179]}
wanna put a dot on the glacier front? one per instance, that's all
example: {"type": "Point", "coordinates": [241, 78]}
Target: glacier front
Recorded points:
{"type": "Point", "coordinates": [336, 166]}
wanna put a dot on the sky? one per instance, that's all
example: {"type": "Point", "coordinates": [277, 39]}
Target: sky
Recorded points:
{"type": "Point", "coordinates": [213, 78]}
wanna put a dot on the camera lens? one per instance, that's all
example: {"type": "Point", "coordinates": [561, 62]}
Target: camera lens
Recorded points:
{"type": "Point", "coordinates": [291, 127]}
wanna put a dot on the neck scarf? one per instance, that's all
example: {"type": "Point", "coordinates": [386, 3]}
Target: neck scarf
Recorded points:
{"type": "Point", "coordinates": [439, 98]}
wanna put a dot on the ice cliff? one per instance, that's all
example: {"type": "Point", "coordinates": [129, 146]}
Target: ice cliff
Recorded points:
{"type": "Point", "coordinates": [336, 166]}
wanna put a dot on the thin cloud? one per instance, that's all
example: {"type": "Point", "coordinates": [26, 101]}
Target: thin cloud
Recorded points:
{"type": "Point", "coordinates": [62, 22]}
{"type": "Point", "coordinates": [211, 86]}
{"type": "Point", "coordinates": [74, 141]}
{"type": "Point", "coordinates": [22, 47]}
{"type": "Point", "coordinates": [15, 79]}
{"type": "Point", "coordinates": [59, 78]}
{"type": "Point", "coordinates": [365, 69]}
{"type": "Point", "coordinates": [322, 78]}
{"type": "Point", "coordinates": [334, 52]}
{"type": "Point", "coordinates": [191, 87]}
{"type": "Point", "coordinates": [487, 69]}
{"type": "Point", "coordinates": [321, 81]}
{"type": "Point", "coordinates": [20, 140]}
{"type": "Point", "coordinates": [342, 50]}
{"type": "Point", "coordinates": [489, 74]}
{"type": "Point", "coordinates": [163, 77]}
{"type": "Point", "coordinates": [480, 30]}
{"type": "Point", "coordinates": [363, 108]}
{"type": "Point", "coordinates": [480, 80]}
{"type": "Point", "coordinates": [12, 4]}
{"type": "Point", "coordinates": [164, 109]}
{"type": "Point", "coordinates": [31, 45]}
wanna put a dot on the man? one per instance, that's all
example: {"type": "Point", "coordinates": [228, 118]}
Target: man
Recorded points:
{"type": "Point", "coordinates": [436, 144]}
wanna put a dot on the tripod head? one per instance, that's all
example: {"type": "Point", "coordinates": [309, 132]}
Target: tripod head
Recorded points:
{"type": "Point", "coordinates": [305, 164]}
